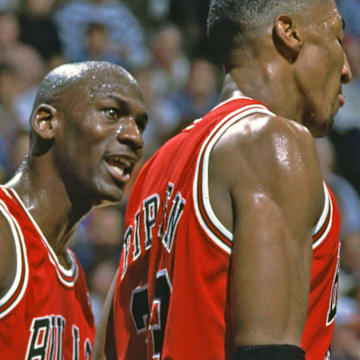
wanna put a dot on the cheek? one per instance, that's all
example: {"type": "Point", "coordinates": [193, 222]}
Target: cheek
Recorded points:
{"type": "Point", "coordinates": [327, 78]}
{"type": "Point", "coordinates": [88, 140]}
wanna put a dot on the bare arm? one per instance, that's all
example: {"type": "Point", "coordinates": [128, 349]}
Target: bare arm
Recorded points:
{"type": "Point", "coordinates": [104, 333]}
{"type": "Point", "coordinates": [8, 256]}
{"type": "Point", "coordinates": [273, 197]}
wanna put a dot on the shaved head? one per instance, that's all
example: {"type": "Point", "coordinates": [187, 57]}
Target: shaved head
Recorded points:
{"type": "Point", "coordinates": [75, 76]}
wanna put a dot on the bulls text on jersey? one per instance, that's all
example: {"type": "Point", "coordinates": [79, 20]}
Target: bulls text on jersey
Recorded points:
{"type": "Point", "coordinates": [46, 339]}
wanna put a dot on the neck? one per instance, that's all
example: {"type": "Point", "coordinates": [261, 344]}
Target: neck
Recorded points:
{"type": "Point", "coordinates": [45, 197]}
{"type": "Point", "coordinates": [269, 81]}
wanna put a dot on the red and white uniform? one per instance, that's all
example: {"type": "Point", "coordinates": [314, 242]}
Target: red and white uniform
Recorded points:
{"type": "Point", "coordinates": [46, 314]}
{"type": "Point", "coordinates": [171, 297]}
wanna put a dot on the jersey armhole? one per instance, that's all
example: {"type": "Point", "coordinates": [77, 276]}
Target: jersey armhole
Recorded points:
{"type": "Point", "coordinates": [323, 226]}
{"type": "Point", "coordinates": [205, 214]}
{"type": "Point", "coordinates": [18, 286]}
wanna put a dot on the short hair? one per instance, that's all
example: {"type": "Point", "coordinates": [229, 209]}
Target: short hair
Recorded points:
{"type": "Point", "coordinates": [236, 23]}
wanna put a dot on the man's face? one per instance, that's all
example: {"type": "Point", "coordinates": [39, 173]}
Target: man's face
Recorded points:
{"type": "Point", "coordinates": [323, 68]}
{"type": "Point", "coordinates": [99, 136]}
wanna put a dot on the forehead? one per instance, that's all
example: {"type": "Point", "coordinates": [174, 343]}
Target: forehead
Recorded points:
{"type": "Point", "coordinates": [325, 15]}
{"type": "Point", "coordinates": [102, 84]}
{"type": "Point", "coordinates": [112, 82]}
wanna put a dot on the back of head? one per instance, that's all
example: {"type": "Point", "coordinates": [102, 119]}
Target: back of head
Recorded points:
{"type": "Point", "coordinates": [237, 24]}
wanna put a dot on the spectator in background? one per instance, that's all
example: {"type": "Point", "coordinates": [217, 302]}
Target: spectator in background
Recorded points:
{"type": "Point", "coordinates": [22, 56]}
{"type": "Point", "coordinates": [38, 30]}
{"type": "Point", "coordinates": [191, 16]}
{"type": "Point", "coordinates": [97, 244]}
{"type": "Point", "coordinates": [9, 89]}
{"type": "Point", "coordinates": [10, 128]}
{"type": "Point", "coordinates": [98, 45]}
{"type": "Point", "coordinates": [162, 112]}
{"type": "Point", "coordinates": [165, 77]}
{"type": "Point", "coordinates": [125, 31]}
{"type": "Point", "coordinates": [199, 95]}
{"type": "Point", "coordinates": [100, 279]}
{"type": "Point", "coordinates": [171, 113]}
{"type": "Point", "coordinates": [99, 236]}
{"type": "Point", "coordinates": [170, 67]}
{"type": "Point", "coordinates": [26, 62]}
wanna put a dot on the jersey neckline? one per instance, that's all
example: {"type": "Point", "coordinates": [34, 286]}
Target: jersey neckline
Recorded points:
{"type": "Point", "coordinates": [66, 276]}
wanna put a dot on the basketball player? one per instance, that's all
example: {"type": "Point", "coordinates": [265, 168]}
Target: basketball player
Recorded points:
{"type": "Point", "coordinates": [85, 139]}
{"type": "Point", "coordinates": [231, 246]}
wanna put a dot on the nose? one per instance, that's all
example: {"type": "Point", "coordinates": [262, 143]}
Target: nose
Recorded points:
{"type": "Point", "coordinates": [130, 134]}
{"type": "Point", "coordinates": [346, 74]}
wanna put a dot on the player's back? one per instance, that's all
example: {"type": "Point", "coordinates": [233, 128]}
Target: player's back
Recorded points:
{"type": "Point", "coordinates": [172, 287]}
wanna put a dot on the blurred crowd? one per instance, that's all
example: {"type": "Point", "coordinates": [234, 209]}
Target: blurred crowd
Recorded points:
{"type": "Point", "coordinates": [163, 44]}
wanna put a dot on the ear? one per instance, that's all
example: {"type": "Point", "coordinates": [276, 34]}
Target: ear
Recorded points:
{"type": "Point", "coordinates": [44, 121]}
{"type": "Point", "coordinates": [287, 37]}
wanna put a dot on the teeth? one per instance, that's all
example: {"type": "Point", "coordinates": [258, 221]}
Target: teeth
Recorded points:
{"type": "Point", "coordinates": [118, 170]}
{"type": "Point", "coordinates": [118, 161]}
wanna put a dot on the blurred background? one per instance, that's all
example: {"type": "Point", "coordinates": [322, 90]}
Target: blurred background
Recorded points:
{"type": "Point", "coordinates": [163, 44]}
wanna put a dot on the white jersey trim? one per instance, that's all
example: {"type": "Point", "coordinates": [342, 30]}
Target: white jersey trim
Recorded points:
{"type": "Point", "coordinates": [236, 95]}
{"type": "Point", "coordinates": [22, 267]}
{"type": "Point", "coordinates": [327, 213]}
{"type": "Point", "coordinates": [61, 271]}
{"type": "Point", "coordinates": [206, 148]}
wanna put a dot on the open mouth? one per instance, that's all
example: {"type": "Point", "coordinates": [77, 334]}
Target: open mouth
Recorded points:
{"type": "Point", "coordinates": [120, 167]}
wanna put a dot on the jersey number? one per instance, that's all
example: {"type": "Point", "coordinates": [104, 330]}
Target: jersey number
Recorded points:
{"type": "Point", "coordinates": [141, 312]}
{"type": "Point", "coordinates": [334, 296]}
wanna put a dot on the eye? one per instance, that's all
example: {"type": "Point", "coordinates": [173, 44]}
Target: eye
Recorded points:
{"type": "Point", "coordinates": [141, 123]}
{"type": "Point", "coordinates": [112, 113]}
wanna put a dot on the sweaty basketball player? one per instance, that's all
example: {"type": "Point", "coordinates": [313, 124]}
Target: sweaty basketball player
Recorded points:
{"type": "Point", "coordinates": [231, 247]}
{"type": "Point", "coordinates": [85, 139]}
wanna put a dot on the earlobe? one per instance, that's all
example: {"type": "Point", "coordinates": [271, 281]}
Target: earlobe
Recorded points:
{"type": "Point", "coordinates": [287, 36]}
{"type": "Point", "coordinates": [44, 120]}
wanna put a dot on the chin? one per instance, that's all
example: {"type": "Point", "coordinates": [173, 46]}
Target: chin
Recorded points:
{"type": "Point", "coordinates": [111, 197]}
{"type": "Point", "coordinates": [324, 131]}
{"type": "Point", "coordinates": [106, 194]}
{"type": "Point", "coordinates": [113, 193]}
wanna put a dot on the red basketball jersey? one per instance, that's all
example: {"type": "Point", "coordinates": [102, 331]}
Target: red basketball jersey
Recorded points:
{"type": "Point", "coordinates": [171, 299]}
{"type": "Point", "coordinates": [46, 314]}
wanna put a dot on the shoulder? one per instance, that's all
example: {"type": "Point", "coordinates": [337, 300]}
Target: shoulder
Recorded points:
{"type": "Point", "coordinates": [266, 140]}
{"type": "Point", "coordinates": [271, 155]}
{"type": "Point", "coordinates": [266, 130]}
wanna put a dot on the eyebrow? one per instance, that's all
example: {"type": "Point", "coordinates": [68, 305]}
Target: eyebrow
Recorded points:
{"type": "Point", "coordinates": [126, 107]}
{"type": "Point", "coordinates": [343, 23]}
{"type": "Point", "coordinates": [120, 101]}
